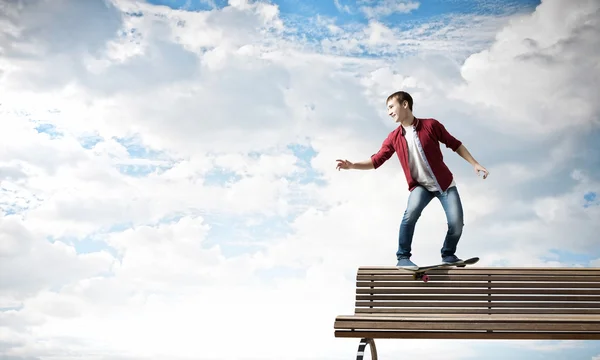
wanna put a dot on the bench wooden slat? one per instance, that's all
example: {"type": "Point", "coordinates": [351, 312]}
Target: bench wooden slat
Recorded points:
{"type": "Point", "coordinates": [471, 322]}
{"type": "Point", "coordinates": [461, 290]}
{"type": "Point", "coordinates": [490, 271]}
{"type": "Point", "coordinates": [493, 298]}
{"type": "Point", "coordinates": [531, 316]}
{"type": "Point", "coordinates": [415, 283]}
{"type": "Point", "coordinates": [476, 304]}
{"type": "Point", "coordinates": [461, 311]}
{"type": "Point", "coordinates": [465, 325]}
{"type": "Point", "coordinates": [483, 335]}
{"type": "Point", "coordinates": [473, 318]}
{"type": "Point", "coordinates": [487, 270]}
{"type": "Point", "coordinates": [466, 277]}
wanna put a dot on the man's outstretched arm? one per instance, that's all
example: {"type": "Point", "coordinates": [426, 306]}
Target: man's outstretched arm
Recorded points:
{"type": "Point", "coordinates": [465, 154]}
{"type": "Point", "coordinates": [375, 161]}
{"type": "Point", "coordinates": [362, 165]}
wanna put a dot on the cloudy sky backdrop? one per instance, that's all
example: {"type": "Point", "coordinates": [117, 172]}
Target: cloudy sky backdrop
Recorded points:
{"type": "Point", "coordinates": [167, 168]}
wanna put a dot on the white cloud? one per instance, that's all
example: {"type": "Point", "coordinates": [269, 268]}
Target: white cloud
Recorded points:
{"type": "Point", "coordinates": [552, 52]}
{"type": "Point", "coordinates": [341, 7]}
{"type": "Point", "coordinates": [61, 33]}
{"type": "Point", "coordinates": [203, 92]}
{"type": "Point", "coordinates": [39, 263]}
{"type": "Point", "coordinates": [552, 346]}
{"type": "Point", "coordinates": [452, 36]}
{"type": "Point", "coordinates": [388, 7]}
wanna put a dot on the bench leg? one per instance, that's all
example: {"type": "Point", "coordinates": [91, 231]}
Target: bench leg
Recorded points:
{"type": "Point", "coordinates": [361, 349]}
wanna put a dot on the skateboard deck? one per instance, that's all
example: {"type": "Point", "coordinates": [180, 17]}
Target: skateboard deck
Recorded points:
{"type": "Point", "coordinates": [419, 273]}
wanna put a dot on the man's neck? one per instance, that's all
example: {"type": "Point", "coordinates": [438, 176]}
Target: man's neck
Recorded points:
{"type": "Point", "coordinates": [409, 121]}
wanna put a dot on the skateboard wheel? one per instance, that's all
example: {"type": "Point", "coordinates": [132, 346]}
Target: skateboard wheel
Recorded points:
{"type": "Point", "coordinates": [425, 278]}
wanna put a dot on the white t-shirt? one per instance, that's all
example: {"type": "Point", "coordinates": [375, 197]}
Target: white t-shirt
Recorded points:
{"type": "Point", "coordinates": [419, 168]}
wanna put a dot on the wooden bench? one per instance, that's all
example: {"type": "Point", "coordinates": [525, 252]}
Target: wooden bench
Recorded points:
{"type": "Point", "coordinates": [473, 303]}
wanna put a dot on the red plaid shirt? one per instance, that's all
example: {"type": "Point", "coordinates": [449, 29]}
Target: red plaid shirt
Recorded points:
{"type": "Point", "coordinates": [430, 133]}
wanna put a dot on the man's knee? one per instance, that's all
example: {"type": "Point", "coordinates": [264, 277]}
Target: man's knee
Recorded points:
{"type": "Point", "coordinates": [455, 226]}
{"type": "Point", "coordinates": [411, 215]}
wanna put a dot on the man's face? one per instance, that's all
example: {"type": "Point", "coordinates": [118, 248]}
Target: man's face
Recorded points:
{"type": "Point", "coordinates": [396, 111]}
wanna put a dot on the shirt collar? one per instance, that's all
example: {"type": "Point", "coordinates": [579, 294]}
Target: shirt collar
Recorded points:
{"type": "Point", "coordinates": [416, 123]}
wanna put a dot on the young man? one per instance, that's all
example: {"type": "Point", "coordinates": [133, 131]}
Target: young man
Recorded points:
{"type": "Point", "coordinates": [416, 143]}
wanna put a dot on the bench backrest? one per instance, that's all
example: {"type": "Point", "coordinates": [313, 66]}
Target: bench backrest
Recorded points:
{"type": "Point", "coordinates": [479, 290]}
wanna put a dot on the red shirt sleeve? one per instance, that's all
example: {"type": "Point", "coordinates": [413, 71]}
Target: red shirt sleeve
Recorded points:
{"type": "Point", "coordinates": [445, 137]}
{"type": "Point", "coordinates": [385, 152]}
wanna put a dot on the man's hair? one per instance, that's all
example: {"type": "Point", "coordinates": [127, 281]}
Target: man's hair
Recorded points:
{"type": "Point", "coordinates": [401, 96]}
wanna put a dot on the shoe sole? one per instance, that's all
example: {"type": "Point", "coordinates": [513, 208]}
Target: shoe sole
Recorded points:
{"type": "Point", "coordinates": [408, 267]}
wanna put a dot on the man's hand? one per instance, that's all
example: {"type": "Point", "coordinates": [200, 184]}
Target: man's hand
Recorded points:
{"type": "Point", "coordinates": [479, 168]}
{"type": "Point", "coordinates": [361, 165]}
{"type": "Point", "coordinates": [344, 164]}
{"type": "Point", "coordinates": [464, 153]}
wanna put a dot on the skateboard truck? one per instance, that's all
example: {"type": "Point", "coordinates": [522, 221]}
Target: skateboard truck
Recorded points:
{"type": "Point", "coordinates": [421, 276]}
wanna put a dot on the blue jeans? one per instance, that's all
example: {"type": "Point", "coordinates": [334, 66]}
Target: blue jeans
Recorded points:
{"type": "Point", "coordinates": [418, 199]}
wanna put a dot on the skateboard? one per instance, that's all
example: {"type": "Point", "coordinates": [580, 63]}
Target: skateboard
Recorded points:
{"type": "Point", "coordinates": [419, 273]}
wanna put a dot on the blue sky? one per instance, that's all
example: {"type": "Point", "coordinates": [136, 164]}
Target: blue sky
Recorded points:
{"type": "Point", "coordinates": [520, 351]}
{"type": "Point", "coordinates": [302, 15]}
{"type": "Point", "coordinates": [231, 233]}
{"type": "Point", "coordinates": [349, 11]}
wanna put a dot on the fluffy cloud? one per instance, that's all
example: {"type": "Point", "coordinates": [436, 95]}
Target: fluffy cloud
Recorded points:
{"type": "Point", "coordinates": [30, 263]}
{"type": "Point", "coordinates": [541, 74]}
{"type": "Point", "coordinates": [129, 166]}
{"type": "Point", "coordinates": [388, 7]}
{"type": "Point", "coordinates": [59, 32]}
